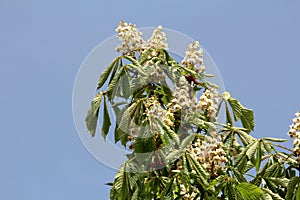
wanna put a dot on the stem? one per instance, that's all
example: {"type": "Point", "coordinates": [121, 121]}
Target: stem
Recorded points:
{"type": "Point", "coordinates": [283, 147]}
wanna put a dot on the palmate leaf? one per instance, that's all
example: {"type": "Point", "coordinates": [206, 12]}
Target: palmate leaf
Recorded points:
{"type": "Point", "coordinates": [106, 72]}
{"type": "Point", "coordinates": [247, 154]}
{"type": "Point", "coordinates": [245, 137]}
{"type": "Point", "coordinates": [125, 182]}
{"type": "Point", "coordinates": [249, 191]}
{"type": "Point", "coordinates": [92, 116]}
{"type": "Point", "coordinates": [121, 184]}
{"type": "Point", "coordinates": [241, 113]}
{"type": "Point", "coordinates": [106, 120]}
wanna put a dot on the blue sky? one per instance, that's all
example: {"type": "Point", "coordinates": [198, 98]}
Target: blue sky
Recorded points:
{"type": "Point", "coordinates": [43, 43]}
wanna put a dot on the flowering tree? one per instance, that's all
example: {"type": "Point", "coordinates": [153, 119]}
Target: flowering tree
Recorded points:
{"type": "Point", "coordinates": [166, 114]}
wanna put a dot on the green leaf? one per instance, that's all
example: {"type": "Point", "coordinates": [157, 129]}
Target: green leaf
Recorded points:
{"type": "Point", "coordinates": [121, 184]}
{"type": "Point", "coordinates": [189, 71]}
{"type": "Point", "coordinates": [279, 181]}
{"type": "Point", "coordinates": [125, 120]}
{"type": "Point", "coordinates": [258, 156]}
{"type": "Point", "coordinates": [241, 158]}
{"type": "Point", "coordinates": [187, 141]}
{"type": "Point", "coordinates": [106, 73]}
{"type": "Point", "coordinates": [125, 85]}
{"type": "Point", "coordinates": [275, 139]}
{"type": "Point", "coordinates": [252, 149]}
{"type": "Point", "coordinates": [138, 68]}
{"type": "Point", "coordinates": [228, 115]}
{"type": "Point", "coordinates": [241, 113]}
{"type": "Point", "coordinates": [231, 192]}
{"type": "Point", "coordinates": [134, 61]}
{"type": "Point", "coordinates": [269, 195]}
{"type": "Point", "coordinates": [267, 146]}
{"type": "Point", "coordinates": [135, 195]}
{"type": "Point", "coordinates": [298, 193]}
{"type": "Point", "coordinates": [114, 83]}
{"type": "Point", "coordinates": [173, 155]}
{"type": "Point", "coordinates": [218, 180]}
{"type": "Point", "coordinates": [144, 56]}
{"type": "Point", "coordinates": [272, 170]}
{"type": "Point", "coordinates": [245, 137]}
{"type": "Point", "coordinates": [291, 189]}
{"type": "Point", "coordinates": [247, 119]}
{"type": "Point", "coordinates": [145, 142]}
{"type": "Point", "coordinates": [167, 191]}
{"type": "Point", "coordinates": [249, 191]}
{"type": "Point", "coordinates": [202, 173]}
{"type": "Point", "coordinates": [115, 69]}
{"type": "Point", "coordinates": [92, 116]}
{"type": "Point", "coordinates": [237, 174]}
{"type": "Point", "coordinates": [288, 158]}
{"type": "Point", "coordinates": [170, 132]}
{"type": "Point", "coordinates": [106, 120]}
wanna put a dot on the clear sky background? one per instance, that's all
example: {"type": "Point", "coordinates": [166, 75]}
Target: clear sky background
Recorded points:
{"type": "Point", "coordinates": [42, 44]}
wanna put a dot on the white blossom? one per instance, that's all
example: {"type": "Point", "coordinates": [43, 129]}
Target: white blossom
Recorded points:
{"type": "Point", "coordinates": [155, 111]}
{"type": "Point", "coordinates": [157, 40]}
{"type": "Point", "coordinates": [294, 133]}
{"type": "Point", "coordinates": [194, 57]}
{"type": "Point", "coordinates": [181, 96]}
{"type": "Point", "coordinates": [157, 75]}
{"type": "Point", "coordinates": [209, 103]}
{"type": "Point", "coordinates": [209, 153]}
{"type": "Point", "coordinates": [130, 37]}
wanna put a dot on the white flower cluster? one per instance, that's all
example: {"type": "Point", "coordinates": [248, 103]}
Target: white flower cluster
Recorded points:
{"type": "Point", "coordinates": [157, 40]}
{"type": "Point", "coordinates": [209, 153]}
{"type": "Point", "coordinates": [182, 100]}
{"type": "Point", "coordinates": [294, 133]}
{"type": "Point", "coordinates": [188, 103]}
{"type": "Point", "coordinates": [194, 57]}
{"type": "Point", "coordinates": [209, 103]}
{"type": "Point", "coordinates": [157, 75]}
{"type": "Point", "coordinates": [187, 195]}
{"type": "Point", "coordinates": [155, 111]}
{"type": "Point", "coordinates": [132, 40]}
{"type": "Point", "coordinates": [130, 37]}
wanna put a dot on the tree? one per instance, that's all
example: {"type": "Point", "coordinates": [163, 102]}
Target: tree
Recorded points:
{"type": "Point", "coordinates": [167, 115]}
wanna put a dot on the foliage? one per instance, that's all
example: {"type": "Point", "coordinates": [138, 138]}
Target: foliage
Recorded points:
{"type": "Point", "coordinates": [167, 115]}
